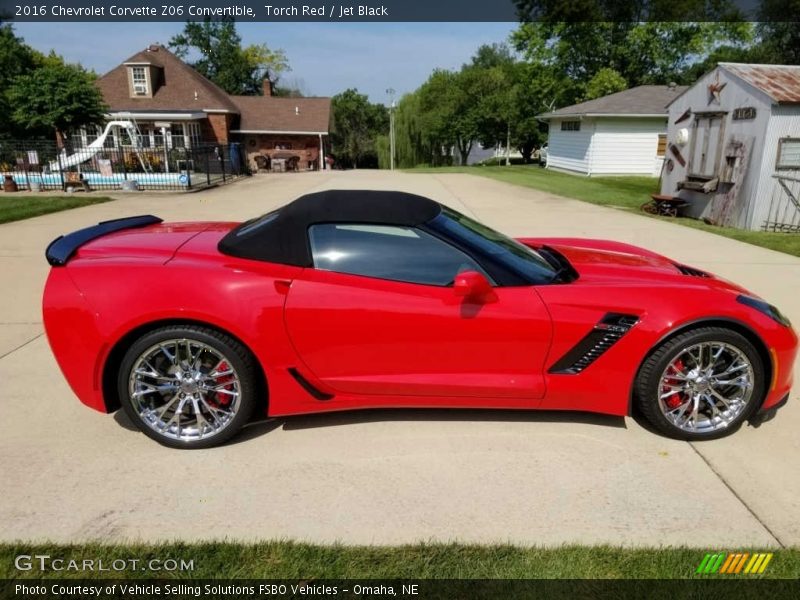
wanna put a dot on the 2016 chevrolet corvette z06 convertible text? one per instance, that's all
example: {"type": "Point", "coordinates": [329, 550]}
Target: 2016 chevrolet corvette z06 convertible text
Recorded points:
{"type": "Point", "coordinates": [361, 299]}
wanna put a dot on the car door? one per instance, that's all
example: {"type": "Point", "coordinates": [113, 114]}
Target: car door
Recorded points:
{"type": "Point", "coordinates": [378, 315]}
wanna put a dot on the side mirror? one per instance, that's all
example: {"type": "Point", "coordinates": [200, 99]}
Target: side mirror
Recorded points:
{"type": "Point", "coordinates": [473, 285]}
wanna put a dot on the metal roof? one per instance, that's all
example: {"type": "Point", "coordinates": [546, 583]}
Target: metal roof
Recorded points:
{"type": "Point", "coordinates": [779, 82]}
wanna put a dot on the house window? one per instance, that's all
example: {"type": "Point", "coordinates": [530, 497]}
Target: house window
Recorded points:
{"type": "Point", "coordinates": [570, 125]}
{"type": "Point", "coordinates": [92, 133]}
{"type": "Point", "coordinates": [144, 136]}
{"type": "Point", "coordinates": [178, 137]}
{"type": "Point", "coordinates": [192, 132]}
{"type": "Point", "coordinates": [78, 138]}
{"type": "Point", "coordinates": [661, 149]}
{"type": "Point", "coordinates": [788, 153]}
{"type": "Point", "coordinates": [139, 78]}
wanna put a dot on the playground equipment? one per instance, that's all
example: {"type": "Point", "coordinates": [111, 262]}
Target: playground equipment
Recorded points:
{"type": "Point", "coordinates": [96, 146]}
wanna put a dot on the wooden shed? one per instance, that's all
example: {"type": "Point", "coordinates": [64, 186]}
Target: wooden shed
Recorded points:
{"type": "Point", "coordinates": [733, 147]}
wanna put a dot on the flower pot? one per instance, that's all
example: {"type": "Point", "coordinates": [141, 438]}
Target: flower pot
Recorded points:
{"type": "Point", "coordinates": [35, 186]}
{"type": "Point", "coordinates": [9, 185]}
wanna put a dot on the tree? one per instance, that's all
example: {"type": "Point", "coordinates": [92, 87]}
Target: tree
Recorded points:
{"type": "Point", "coordinates": [606, 81]}
{"type": "Point", "coordinates": [778, 40]}
{"type": "Point", "coordinates": [57, 96]}
{"type": "Point", "coordinates": [517, 92]}
{"type": "Point", "coordinates": [357, 123]}
{"type": "Point", "coordinates": [16, 58]}
{"type": "Point", "coordinates": [640, 52]}
{"type": "Point", "coordinates": [236, 69]}
{"type": "Point", "coordinates": [489, 56]}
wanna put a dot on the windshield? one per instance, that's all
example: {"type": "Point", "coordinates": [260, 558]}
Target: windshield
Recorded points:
{"type": "Point", "coordinates": [514, 255]}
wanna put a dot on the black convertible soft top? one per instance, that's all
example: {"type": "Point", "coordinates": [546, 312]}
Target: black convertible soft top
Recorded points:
{"type": "Point", "coordinates": [281, 236]}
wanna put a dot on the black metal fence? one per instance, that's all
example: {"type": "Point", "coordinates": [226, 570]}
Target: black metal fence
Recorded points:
{"type": "Point", "coordinates": [41, 165]}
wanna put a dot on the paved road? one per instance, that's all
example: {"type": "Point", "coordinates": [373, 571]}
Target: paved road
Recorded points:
{"type": "Point", "coordinates": [389, 477]}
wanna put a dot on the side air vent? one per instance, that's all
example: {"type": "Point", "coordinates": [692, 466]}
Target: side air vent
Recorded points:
{"type": "Point", "coordinates": [691, 271]}
{"type": "Point", "coordinates": [608, 331]}
{"type": "Point", "coordinates": [308, 386]}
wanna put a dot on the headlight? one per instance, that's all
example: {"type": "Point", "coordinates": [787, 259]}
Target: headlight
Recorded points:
{"type": "Point", "coordinates": [766, 308]}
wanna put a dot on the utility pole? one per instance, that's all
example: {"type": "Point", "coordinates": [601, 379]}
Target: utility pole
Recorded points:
{"type": "Point", "coordinates": [390, 92]}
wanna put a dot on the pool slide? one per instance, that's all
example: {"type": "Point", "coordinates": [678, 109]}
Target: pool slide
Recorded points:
{"type": "Point", "coordinates": [85, 154]}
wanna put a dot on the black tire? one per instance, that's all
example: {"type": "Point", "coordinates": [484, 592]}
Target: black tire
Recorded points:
{"type": "Point", "coordinates": [647, 385]}
{"type": "Point", "coordinates": [239, 358]}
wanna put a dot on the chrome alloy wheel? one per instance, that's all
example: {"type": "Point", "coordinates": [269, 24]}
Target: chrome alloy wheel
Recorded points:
{"type": "Point", "coordinates": [184, 390]}
{"type": "Point", "coordinates": [706, 387]}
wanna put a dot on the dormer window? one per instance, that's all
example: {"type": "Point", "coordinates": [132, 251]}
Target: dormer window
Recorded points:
{"type": "Point", "coordinates": [139, 81]}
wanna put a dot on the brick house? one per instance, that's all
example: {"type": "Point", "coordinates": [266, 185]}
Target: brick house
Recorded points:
{"type": "Point", "coordinates": [174, 106]}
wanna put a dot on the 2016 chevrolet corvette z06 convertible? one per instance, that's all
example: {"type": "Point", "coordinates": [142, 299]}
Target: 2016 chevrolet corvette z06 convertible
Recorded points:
{"type": "Point", "coordinates": [361, 299]}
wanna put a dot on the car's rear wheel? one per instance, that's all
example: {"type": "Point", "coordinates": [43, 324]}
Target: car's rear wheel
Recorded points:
{"type": "Point", "coordinates": [701, 384]}
{"type": "Point", "coordinates": [187, 386]}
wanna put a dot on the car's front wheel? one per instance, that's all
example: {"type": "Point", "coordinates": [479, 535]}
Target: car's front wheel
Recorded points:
{"type": "Point", "coordinates": [701, 384]}
{"type": "Point", "coordinates": [187, 386]}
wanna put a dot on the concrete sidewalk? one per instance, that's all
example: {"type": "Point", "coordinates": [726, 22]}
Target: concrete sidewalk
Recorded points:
{"type": "Point", "coordinates": [71, 474]}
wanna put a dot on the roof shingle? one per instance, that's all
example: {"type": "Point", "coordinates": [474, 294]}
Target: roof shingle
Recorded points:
{"type": "Point", "coordinates": [181, 87]}
{"type": "Point", "coordinates": [640, 100]}
{"type": "Point", "coordinates": [275, 114]}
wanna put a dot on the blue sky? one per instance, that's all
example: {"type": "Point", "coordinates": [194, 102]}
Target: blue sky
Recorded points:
{"type": "Point", "coordinates": [326, 58]}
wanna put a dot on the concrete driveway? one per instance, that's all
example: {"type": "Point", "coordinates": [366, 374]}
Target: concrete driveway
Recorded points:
{"type": "Point", "coordinates": [70, 474]}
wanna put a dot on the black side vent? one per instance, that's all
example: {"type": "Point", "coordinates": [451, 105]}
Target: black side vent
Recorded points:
{"type": "Point", "coordinates": [593, 345]}
{"type": "Point", "coordinates": [307, 385]}
{"type": "Point", "coordinates": [691, 271]}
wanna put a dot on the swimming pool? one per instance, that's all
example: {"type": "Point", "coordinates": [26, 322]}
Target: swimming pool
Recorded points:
{"type": "Point", "coordinates": [115, 179]}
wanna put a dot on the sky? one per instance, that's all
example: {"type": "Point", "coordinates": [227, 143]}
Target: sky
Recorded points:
{"type": "Point", "coordinates": [326, 58]}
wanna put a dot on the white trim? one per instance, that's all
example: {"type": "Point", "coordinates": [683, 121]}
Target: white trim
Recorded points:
{"type": "Point", "coordinates": [220, 110]}
{"type": "Point", "coordinates": [160, 116]}
{"type": "Point", "coordinates": [276, 132]}
{"type": "Point", "coordinates": [546, 117]}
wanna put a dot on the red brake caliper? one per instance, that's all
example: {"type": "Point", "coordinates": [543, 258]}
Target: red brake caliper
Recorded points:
{"type": "Point", "coordinates": [675, 400]}
{"type": "Point", "coordinates": [222, 400]}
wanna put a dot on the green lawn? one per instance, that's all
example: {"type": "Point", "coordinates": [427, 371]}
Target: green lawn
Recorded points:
{"type": "Point", "coordinates": [15, 207]}
{"type": "Point", "coordinates": [424, 561]}
{"type": "Point", "coordinates": [627, 193]}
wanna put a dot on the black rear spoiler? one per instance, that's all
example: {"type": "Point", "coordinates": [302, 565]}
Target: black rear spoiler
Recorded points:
{"type": "Point", "coordinates": [61, 248]}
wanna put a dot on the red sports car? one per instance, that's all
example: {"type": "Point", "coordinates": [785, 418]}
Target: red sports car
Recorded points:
{"type": "Point", "coordinates": [364, 299]}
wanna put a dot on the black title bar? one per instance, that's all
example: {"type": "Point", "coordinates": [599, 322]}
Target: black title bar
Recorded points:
{"type": "Point", "coordinates": [283, 11]}
{"type": "Point", "coordinates": [741, 588]}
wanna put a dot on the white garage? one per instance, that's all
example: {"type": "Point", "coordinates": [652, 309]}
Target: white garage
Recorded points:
{"type": "Point", "coordinates": [618, 134]}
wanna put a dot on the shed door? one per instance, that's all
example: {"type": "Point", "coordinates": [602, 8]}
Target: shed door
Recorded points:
{"type": "Point", "coordinates": [706, 145]}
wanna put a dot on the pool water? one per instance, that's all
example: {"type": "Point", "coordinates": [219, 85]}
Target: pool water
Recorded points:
{"type": "Point", "coordinates": [54, 179]}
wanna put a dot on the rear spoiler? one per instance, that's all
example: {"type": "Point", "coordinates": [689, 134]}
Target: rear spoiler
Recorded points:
{"type": "Point", "coordinates": [61, 248]}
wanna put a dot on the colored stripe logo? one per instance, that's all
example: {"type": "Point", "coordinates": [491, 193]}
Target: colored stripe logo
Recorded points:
{"type": "Point", "coordinates": [734, 563]}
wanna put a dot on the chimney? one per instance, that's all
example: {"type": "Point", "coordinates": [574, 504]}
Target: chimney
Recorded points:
{"type": "Point", "coordinates": [267, 87]}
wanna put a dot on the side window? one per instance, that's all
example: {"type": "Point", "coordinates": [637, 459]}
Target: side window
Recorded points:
{"type": "Point", "coordinates": [387, 252]}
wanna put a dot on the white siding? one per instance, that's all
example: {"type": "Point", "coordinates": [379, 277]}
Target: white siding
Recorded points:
{"type": "Point", "coordinates": [785, 122]}
{"type": "Point", "coordinates": [626, 146]}
{"type": "Point", "coordinates": [735, 94]}
{"type": "Point", "coordinates": [569, 150]}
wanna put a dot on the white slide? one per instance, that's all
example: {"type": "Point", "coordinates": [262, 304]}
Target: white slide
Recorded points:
{"type": "Point", "coordinates": [85, 154]}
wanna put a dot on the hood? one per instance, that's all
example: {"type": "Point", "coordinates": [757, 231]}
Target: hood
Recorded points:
{"type": "Point", "coordinates": [605, 261]}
